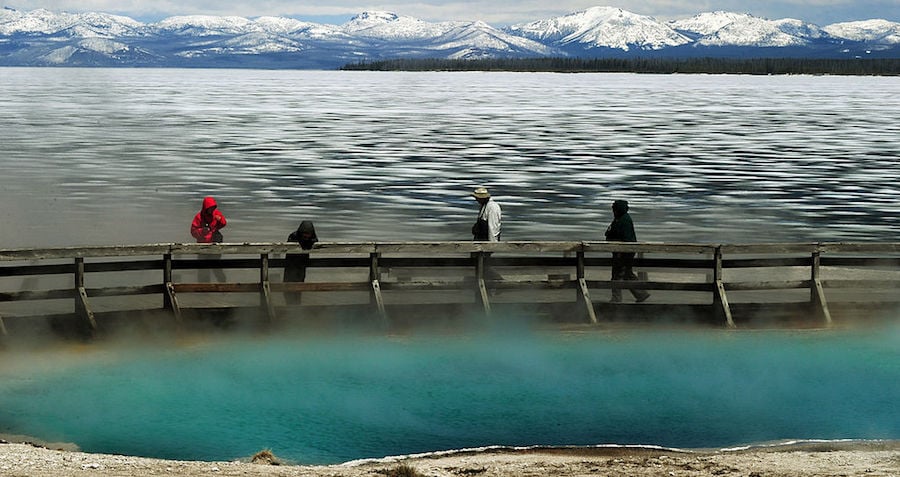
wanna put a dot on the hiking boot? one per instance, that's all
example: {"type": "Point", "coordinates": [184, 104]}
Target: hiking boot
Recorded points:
{"type": "Point", "coordinates": [642, 298]}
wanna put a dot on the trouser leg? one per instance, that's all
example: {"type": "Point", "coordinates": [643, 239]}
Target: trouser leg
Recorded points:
{"type": "Point", "coordinates": [638, 294]}
{"type": "Point", "coordinates": [618, 271]}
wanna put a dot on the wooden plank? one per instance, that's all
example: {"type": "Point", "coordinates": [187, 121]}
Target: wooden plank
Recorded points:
{"type": "Point", "coordinates": [425, 262]}
{"type": "Point", "coordinates": [83, 309]}
{"type": "Point", "coordinates": [125, 291]}
{"type": "Point", "coordinates": [265, 295]}
{"type": "Point", "coordinates": [379, 301]}
{"type": "Point", "coordinates": [265, 302]}
{"type": "Point", "coordinates": [722, 302]}
{"type": "Point", "coordinates": [169, 292]}
{"type": "Point", "coordinates": [218, 263]}
{"type": "Point", "coordinates": [318, 286]}
{"type": "Point", "coordinates": [655, 285]}
{"type": "Point", "coordinates": [481, 292]}
{"type": "Point", "coordinates": [769, 248]}
{"type": "Point", "coordinates": [767, 262]}
{"type": "Point", "coordinates": [720, 298]}
{"type": "Point", "coordinates": [27, 270]}
{"type": "Point", "coordinates": [439, 247]}
{"type": "Point", "coordinates": [814, 276]}
{"type": "Point", "coordinates": [123, 266]}
{"type": "Point", "coordinates": [870, 284]}
{"type": "Point", "coordinates": [272, 248]}
{"type": "Point", "coordinates": [72, 252]}
{"type": "Point", "coordinates": [768, 285]}
{"type": "Point", "coordinates": [648, 247]}
{"type": "Point", "coordinates": [37, 295]}
{"type": "Point", "coordinates": [672, 263]}
{"type": "Point", "coordinates": [827, 261]}
{"type": "Point", "coordinates": [474, 247]}
{"type": "Point", "coordinates": [217, 287]}
{"type": "Point", "coordinates": [483, 297]}
{"type": "Point", "coordinates": [172, 302]}
{"type": "Point", "coordinates": [821, 302]}
{"type": "Point", "coordinates": [586, 298]}
{"type": "Point", "coordinates": [860, 247]}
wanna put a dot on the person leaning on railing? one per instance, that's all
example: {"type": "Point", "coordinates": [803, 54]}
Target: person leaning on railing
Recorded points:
{"type": "Point", "coordinates": [206, 228]}
{"type": "Point", "coordinates": [295, 264]}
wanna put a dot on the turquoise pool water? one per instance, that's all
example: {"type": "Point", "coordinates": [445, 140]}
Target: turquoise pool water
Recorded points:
{"type": "Point", "coordinates": [343, 397]}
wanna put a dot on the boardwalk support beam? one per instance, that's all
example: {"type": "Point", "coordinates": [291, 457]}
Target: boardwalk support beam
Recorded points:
{"type": "Point", "coordinates": [583, 295]}
{"type": "Point", "coordinates": [82, 307]}
{"type": "Point", "coordinates": [265, 293]}
{"type": "Point", "coordinates": [170, 302]}
{"type": "Point", "coordinates": [720, 299]}
{"type": "Point", "coordinates": [375, 295]}
{"type": "Point", "coordinates": [817, 292]}
{"type": "Point", "coordinates": [480, 259]}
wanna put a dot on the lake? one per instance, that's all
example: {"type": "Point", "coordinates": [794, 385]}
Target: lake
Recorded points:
{"type": "Point", "coordinates": [125, 156]}
{"type": "Point", "coordinates": [113, 156]}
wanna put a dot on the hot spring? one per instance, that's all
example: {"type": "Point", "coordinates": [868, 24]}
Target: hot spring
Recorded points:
{"type": "Point", "coordinates": [328, 399]}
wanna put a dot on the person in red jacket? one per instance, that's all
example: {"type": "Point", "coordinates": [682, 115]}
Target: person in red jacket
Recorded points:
{"type": "Point", "coordinates": [207, 223]}
{"type": "Point", "coordinates": [206, 229]}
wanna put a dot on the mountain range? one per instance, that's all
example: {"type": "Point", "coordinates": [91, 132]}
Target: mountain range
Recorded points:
{"type": "Point", "coordinates": [44, 38]}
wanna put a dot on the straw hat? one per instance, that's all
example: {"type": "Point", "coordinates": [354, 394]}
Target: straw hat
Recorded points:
{"type": "Point", "coordinates": [481, 193]}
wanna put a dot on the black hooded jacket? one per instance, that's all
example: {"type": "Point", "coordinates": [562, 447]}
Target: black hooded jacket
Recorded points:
{"type": "Point", "coordinates": [295, 263]}
{"type": "Point", "coordinates": [622, 228]}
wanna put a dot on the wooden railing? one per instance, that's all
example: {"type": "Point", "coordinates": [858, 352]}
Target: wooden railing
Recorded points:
{"type": "Point", "coordinates": [720, 272]}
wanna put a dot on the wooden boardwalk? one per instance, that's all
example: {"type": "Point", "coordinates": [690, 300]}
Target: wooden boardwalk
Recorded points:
{"type": "Point", "coordinates": [92, 289]}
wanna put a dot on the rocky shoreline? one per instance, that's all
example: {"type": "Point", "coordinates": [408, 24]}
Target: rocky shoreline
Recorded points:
{"type": "Point", "coordinates": [869, 459]}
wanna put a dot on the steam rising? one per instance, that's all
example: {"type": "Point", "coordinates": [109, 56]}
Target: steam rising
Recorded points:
{"type": "Point", "coordinates": [334, 398]}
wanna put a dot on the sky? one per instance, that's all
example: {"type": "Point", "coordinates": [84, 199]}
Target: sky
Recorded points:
{"type": "Point", "coordinates": [494, 12]}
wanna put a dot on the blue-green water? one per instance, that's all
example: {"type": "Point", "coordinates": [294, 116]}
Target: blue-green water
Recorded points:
{"type": "Point", "coordinates": [338, 398]}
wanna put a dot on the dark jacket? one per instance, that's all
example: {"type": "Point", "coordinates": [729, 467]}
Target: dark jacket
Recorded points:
{"type": "Point", "coordinates": [295, 263]}
{"type": "Point", "coordinates": [305, 235]}
{"type": "Point", "coordinates": [622, 228]}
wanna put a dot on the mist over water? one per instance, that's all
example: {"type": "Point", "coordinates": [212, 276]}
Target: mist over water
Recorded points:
{"type": "Point", "coordinates": [111, 156]}
{"type": "Point", "coordinates": [332, 399]}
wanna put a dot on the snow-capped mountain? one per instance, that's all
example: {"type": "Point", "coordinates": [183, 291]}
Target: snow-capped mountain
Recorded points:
{"type": "Point", "coordinates": [733, 29]}
{"type": "Point", "coordinates": [83, 24]}
{"type": "Point", "coordinates": [880, 32]}
{"type": "Point", "coordinates": [43, 37]}
{"type": "Point", "coordinates": [605, 27]}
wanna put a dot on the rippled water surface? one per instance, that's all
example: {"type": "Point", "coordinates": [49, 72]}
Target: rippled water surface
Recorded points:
{"type": "Point", "coordinates": [104, 156]}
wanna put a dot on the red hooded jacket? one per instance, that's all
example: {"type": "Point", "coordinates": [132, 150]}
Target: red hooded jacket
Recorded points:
{"type": "Point", "coordinates": [207, 222]}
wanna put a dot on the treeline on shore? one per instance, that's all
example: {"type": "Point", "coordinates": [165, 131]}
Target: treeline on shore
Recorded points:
{"type": "Point", "coordinates": [754, 66]}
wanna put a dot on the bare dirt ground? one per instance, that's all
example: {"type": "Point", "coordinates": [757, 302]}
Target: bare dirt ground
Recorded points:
{"type": "Point", "coordinates": [868, 459]}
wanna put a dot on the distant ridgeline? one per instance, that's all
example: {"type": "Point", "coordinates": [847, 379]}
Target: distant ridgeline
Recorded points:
{"type": "Point", "coordinates": [757, 66]}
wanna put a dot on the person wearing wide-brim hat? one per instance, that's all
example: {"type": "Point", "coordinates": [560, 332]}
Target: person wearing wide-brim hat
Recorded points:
{"type": "Point", "coordinates": [487, 226]}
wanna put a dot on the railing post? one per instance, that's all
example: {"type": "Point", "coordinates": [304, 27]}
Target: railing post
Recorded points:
{"type": "Point", "coordinates": [583, 295]}
{"type": "Point", "coordinates": [82, 308]}
{"type": "Point", "coordinates": [817, 292]}
{"type": "Point", "coordinates": [720, 299]}
{"type": "Point", "coordinates": [265, 294]}
{"type": "Point", "coordinates": [375, 289]}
